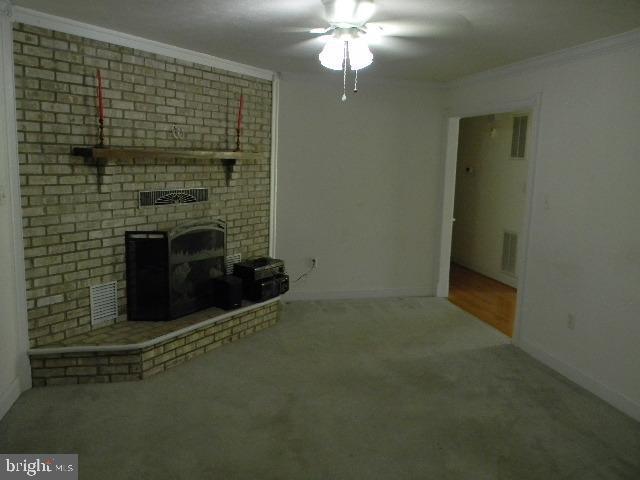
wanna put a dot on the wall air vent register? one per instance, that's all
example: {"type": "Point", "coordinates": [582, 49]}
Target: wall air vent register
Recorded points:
{"type": "Point", "coordinates": [157, 198]}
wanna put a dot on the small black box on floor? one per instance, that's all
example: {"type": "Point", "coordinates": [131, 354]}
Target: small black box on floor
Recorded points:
{"type": "Point", "coordinates": [227, 292]}
{"type": "Point", "coordinates": [261, 290]}
{"type": "Point", "coordinates": [284, 283]}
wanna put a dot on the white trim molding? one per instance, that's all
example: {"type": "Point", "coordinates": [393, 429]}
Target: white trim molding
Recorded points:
{"type": "Point", "coordinates": [73, 27]}
{"type": "Point", "coordinates": [567, 55]}
{"type": "Point", "coordinates": [6, 8]}
{"type": "Point", "coordinates": [16, 310]}
{"type": "Point", "coordinates": [275, 116]}
{"type": "Point", "coordinates": [617, 399]}
{"type": "Point", "coordinates": [9, 396]}
{"type": "Point", "coordinates": [293, 296]}
{"type": "Point", "coordinates": [452, 130]}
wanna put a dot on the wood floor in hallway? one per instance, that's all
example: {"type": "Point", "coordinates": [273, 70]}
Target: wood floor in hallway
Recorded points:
{"type": "Point", "coordinates": [489, 300]}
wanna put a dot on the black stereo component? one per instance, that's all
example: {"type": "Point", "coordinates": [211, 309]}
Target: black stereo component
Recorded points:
{"type": "Point", "coordinates": [258, 269]}
{"type": "Point", "coordinates": [227, 292]}
{"type": "Point", "coordinates": [284, 283]}
{"type": "Point", "coordinates": [267, 288]}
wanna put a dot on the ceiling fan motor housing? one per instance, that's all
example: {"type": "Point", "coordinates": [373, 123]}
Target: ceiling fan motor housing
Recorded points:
{"type": "Point", "coordinates": [348, 13]}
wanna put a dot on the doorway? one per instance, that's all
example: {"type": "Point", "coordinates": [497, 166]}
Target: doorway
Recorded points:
{"type": "Point", "coordinates": [490, 184]}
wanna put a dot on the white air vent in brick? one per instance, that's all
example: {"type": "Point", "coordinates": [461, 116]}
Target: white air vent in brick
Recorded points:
{"type": "Point", "coordinates": [519, 136]}
{"type": "Point", "coordinates": [154, 198]}
{"type": "Point", "coordinates": [230, 261]}
{"type": "Point", "coordinates": [104, 302]}
{"type": "Point", "coordinates": [509, 252]}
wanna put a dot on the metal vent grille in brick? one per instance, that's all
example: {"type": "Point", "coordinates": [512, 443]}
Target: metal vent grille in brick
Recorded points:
{"type": "Point", "coordinates": [230, 261]}
{"type": "Point", "coordinates": [154, 198]}
{"type": "Point", "coordinates": [104, 302]}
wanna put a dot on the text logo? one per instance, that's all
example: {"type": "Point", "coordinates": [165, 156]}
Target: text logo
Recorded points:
{"type": "Point", "coordinates": [49, 466]}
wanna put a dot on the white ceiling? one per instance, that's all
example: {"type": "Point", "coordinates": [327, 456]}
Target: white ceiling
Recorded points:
{"type": "Point", "coordinates": [443, 39]}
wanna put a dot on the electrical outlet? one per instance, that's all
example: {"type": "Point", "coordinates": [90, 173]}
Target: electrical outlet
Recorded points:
{"type": "Point", "coordinates": [571, 321]}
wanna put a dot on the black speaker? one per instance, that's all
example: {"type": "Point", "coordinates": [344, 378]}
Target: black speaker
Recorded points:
{"type": "Point", "coordinates": [227, 292]}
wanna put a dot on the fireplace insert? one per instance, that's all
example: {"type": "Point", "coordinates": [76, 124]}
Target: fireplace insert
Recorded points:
{"type": "Point", "coordinates": [169, 273]}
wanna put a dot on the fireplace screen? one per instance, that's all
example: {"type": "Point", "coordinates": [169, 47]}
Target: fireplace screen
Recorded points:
{"type": "Point", "coordinates": [169, 273]}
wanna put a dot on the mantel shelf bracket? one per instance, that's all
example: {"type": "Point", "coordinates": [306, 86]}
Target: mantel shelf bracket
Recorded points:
{"type": "Point", "coordinates": [90, 159]}
{"type": "Point", "coordinates": [229, 165]}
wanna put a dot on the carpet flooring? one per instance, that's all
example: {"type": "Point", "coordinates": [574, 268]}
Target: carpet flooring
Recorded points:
{"type": "Point", "coordinates": [377, 389]}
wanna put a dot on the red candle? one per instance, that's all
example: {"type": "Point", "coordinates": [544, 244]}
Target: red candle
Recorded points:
{"type": "Point", "coordinates": [240, 113]}
{"type": "Point", "coordinates": [100, 101]}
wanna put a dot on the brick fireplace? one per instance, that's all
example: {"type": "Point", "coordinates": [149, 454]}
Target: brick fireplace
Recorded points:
{"type": "Point", "coordinates": [74, 222]}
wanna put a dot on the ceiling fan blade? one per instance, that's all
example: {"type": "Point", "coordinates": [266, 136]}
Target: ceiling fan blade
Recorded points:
{"type": "Point", "coordinates": [434, 27]}
{"type": "Point", "coordinates": [320, 31]}
{"type": "Point", "coordinates": [303, 48]}
{"type": "Point", "coordinates": [297, 29]}
{"type": "Point", "coordinates": [396, 47]}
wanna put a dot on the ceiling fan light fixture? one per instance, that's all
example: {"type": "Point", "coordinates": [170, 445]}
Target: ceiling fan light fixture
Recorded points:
{"type": "Point", "coordinates": [359, 54]}
{"type": "Point", "coordinates": [347, 47]}
{"type": "Point", "coordinates": [332, 55]}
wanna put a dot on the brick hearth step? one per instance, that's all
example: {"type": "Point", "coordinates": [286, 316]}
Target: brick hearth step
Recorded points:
{"type": "Point", "coordinates": [136, 350]}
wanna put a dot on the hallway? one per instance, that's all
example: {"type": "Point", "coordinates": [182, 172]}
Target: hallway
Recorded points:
{"type": "Point", "coordinates": [489, 300]}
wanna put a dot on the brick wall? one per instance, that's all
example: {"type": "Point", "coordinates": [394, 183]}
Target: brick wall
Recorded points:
{"type": "Point", "coordinates": [73, 230]}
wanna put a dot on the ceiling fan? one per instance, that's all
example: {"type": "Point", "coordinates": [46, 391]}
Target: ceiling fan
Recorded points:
{"type": "Point", "coordinates": [350, 31]}
{"type": "Point", "coordinates": [347, 45]}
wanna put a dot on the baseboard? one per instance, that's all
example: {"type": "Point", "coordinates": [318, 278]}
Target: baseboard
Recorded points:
{"type": "Point", "coordinates": [617, 399]}
{"type": "Point", "coordinates": [356, 294]}
{"type": "Point", "coordinates": [9, 396]}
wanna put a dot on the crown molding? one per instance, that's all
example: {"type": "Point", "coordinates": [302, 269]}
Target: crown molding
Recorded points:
{"type": "Point", "coordinates": [568, 55]}
{"type": "Point", "coordinates": [6, 8]}
{"type": "Point", "coordinates": [73, 27]}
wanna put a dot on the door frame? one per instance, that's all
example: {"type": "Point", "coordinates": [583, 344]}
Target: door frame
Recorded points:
{"type": "Point", "coordinates": [531, 104]}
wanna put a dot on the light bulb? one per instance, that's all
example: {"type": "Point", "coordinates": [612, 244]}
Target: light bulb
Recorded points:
{"type": "Point", "coordinates": [332, 55]}
{"type": "Point", "coordinates": [359, 54]}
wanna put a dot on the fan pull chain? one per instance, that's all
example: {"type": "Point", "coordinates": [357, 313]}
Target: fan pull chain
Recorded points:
{"type": "Point", "coordinates": [344, 75]}
{"type": "Point", "coordinates": [355, 85]}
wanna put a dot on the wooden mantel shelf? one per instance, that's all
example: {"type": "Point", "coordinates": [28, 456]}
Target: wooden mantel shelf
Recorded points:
{"type": "Point", "coordinates": [107, 153]}
{"type": "Point", "coordinates": [99, 156]}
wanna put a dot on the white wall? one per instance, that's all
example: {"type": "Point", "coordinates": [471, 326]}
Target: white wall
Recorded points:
{"type": "Point", "coordinates": [14, 372]}
{"type": "Point", "coordinates": [490, 194]}
{"type": "Point", "coordinates": [584, 252]}
{"type": "Point", "coordinates": [358, 186]}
